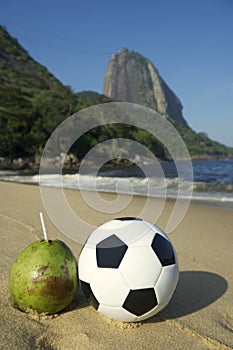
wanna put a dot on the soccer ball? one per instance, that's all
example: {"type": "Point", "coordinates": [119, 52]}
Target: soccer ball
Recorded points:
{"type": "Point", "coordinates": [128, 269]}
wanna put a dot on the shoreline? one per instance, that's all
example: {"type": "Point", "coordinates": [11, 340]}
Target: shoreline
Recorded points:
{"type": "Point", "coordinates": [212, 203]}
{"type": "Point", "coordinates": [30, 164]}
{"type": "Point", "coordinates": [199, 315]}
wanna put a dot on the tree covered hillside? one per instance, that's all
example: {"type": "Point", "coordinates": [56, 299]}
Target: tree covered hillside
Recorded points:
{"type": "Point", "coordinates": [32, 101]}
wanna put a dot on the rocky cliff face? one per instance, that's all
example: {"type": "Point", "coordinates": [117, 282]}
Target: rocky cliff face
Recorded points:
{"type": "Point", "coordinates": [132, 78]}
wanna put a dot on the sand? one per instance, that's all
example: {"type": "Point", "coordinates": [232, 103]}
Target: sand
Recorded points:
{"type": "Point", "coordinates": [199, 316]}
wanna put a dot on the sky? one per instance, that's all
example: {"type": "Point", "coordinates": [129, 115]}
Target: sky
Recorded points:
{"type": "Point", "coordinates": [190, 42]}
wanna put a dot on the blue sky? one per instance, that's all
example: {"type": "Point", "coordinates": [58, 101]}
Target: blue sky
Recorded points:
{"type": "Point", "coordinates": [189, 42]}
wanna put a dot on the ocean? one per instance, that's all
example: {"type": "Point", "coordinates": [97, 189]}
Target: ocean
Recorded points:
{"type": "Point", "coordinates": [212, 180]}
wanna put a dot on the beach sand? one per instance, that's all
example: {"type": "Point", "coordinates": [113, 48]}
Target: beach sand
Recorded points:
{"type": "Point", "coordinates": [199, 316]}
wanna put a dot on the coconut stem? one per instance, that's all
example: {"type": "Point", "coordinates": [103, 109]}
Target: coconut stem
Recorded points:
{"type": "Point", "coordinates": [43, 226]}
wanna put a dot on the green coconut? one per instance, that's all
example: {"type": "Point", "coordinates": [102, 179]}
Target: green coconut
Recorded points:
{"type": "Point", "coordinates": [44, 277]}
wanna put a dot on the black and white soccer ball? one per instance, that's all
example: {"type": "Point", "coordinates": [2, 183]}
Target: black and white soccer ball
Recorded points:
{"type": "Point", "coordinates": [128, 269]}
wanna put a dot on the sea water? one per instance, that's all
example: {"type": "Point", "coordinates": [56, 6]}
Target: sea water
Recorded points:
{"type": "Point", "coordinates": [212, 180]}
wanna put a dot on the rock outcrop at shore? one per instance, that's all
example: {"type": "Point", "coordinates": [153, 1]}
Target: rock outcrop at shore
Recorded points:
{"type": "Point", "coordinates": [130, 77]}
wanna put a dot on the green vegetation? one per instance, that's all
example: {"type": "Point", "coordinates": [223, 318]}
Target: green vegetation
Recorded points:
{"type": "Point", "coordinates": [33, 103]}
{"type": "Point", "coordinates": [200, 146]}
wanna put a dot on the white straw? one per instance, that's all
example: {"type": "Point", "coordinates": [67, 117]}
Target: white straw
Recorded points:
{"type": "Point", "coordinates": [43, 226]}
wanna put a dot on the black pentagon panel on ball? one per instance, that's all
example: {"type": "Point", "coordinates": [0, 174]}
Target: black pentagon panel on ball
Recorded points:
{"type": "Point", "coordinates": [164, 250]}
{"type": "Point", "coordinates": [126, 218]}
{"type": "Point", "coordinates": [87, 291]}
{"type": "Point", "coordinates": [140, 301]}
{"type": "Point", "coordinates": [110, 252]}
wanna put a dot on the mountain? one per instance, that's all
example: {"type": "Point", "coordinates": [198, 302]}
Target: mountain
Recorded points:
{"type": "Point", "coordinates": [19, 69]}
{"type": "Point", "coordinates": [33, 102]}
{"type": "Point", "coordinates": [131, 77]}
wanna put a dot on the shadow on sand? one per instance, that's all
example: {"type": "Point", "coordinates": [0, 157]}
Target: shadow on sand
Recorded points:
{"type": "Point", "coordinates": [195, 291]}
